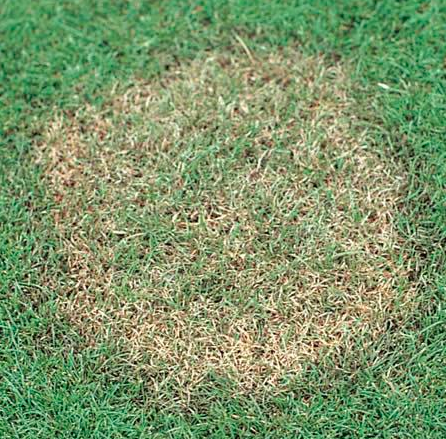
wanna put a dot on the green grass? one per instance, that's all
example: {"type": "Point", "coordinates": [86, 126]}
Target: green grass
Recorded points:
{"type": "Point", "coordinates": [57, 57]}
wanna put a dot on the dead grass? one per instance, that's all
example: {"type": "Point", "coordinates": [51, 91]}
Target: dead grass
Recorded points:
{"type": "Point", "coordinates": [228, 217]}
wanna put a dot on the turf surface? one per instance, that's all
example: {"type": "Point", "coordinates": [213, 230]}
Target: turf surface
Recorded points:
{"type": "Point", "coordinates": [66, 58]}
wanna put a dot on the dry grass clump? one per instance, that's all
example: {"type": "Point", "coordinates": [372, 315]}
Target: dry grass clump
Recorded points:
{"type": "Point", "coordinates": [227, 218]}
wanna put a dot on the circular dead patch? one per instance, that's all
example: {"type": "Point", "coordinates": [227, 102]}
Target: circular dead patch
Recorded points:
{"type": "Point", "coordinates": [229, 217]}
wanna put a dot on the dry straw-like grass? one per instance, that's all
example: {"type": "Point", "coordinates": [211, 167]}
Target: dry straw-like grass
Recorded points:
{"type": "Point", "coordinates": [228, 217]}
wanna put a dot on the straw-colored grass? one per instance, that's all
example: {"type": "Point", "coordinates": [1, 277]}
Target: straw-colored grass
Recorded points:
{"type": "Point", "coordinates": [230, 218]}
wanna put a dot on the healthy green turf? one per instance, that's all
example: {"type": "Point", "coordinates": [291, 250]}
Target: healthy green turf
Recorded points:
{"type": "Point", "coordinates": [64, 55]}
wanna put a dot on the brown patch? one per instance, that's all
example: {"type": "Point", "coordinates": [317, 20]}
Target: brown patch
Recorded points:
{"type": "Point", "coordinates": [229, 217]}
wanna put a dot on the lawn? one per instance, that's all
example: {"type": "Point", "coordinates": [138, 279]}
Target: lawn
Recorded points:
{"type": "Point", "coordinates": [222, 219]}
